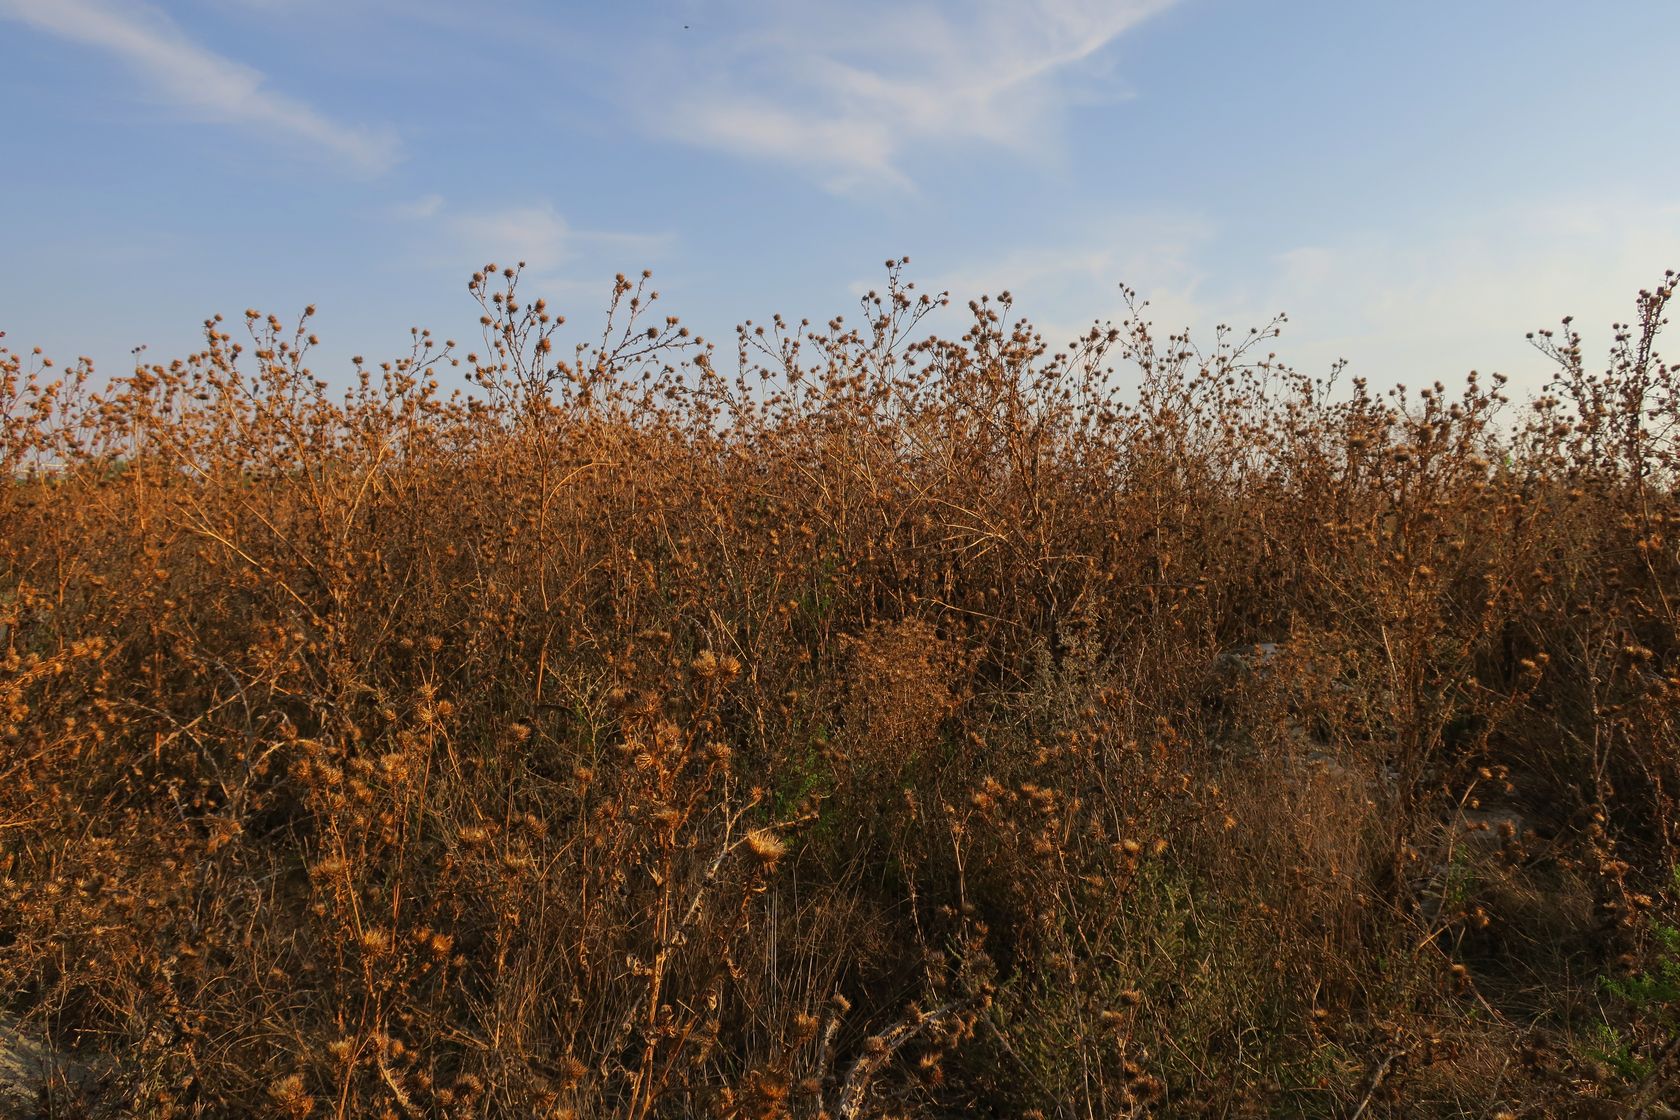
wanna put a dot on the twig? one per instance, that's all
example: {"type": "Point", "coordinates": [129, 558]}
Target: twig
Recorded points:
{"type": "Point", "coordinates": [849, 1103]}
{"type": "Point", "coordinates": [1374, 1080]}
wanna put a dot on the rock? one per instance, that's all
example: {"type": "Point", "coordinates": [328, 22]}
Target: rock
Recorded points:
{"type": "Point", "coordinates": [1243, 661]}
{"type": "Point", "coordinates": [1489, 830]}
{"type": "Point", "coordinates": [28, 1065]}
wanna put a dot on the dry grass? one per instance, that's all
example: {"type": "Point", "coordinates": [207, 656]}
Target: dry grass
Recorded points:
{"type": "Point", "coordinates": [858, 733]}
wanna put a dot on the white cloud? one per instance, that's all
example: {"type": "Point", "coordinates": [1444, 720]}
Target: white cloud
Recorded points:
{"type": "Point", "coordinates": [537, 235]}
{"type": "Point", "coordinates": [197, 79]}
{"type": "Point", "coordinates": [426, 206]}
{"type": "Point", "coordinates": [533, 232]}
{"type": "Point", "coordinates": [846, 93]}
{"type": "Point", "coordinates": [1402, 306]}
{"type": "Point", "coordinates": [1421, 308]}
{"type": "Point", "coordinates": [1065, 288]}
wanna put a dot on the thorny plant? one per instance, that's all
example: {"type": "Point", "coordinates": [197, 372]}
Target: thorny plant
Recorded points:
{"type": "Point", "coordinates": [897, 725]}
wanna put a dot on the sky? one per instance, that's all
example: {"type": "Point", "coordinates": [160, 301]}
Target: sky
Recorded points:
{"type": "Point", "coordinates": [1416, 185]}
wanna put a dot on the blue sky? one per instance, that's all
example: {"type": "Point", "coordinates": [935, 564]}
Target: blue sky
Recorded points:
{"type": "Point", "coordinates": [1417, 185]}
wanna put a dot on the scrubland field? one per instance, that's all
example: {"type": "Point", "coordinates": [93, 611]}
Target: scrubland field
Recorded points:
{"type": "Point", "coordinates": [856, 725]}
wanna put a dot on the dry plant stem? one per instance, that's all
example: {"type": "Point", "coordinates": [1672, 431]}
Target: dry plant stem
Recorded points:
{"type": "Point", "coordinates": [633, 732]}
{"type": "Point", "coordinates": [853, 1093]}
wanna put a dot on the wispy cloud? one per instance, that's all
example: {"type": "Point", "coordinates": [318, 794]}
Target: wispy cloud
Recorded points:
{"type": "Point", "coordinates": [537, 235]}
{"type": "Point", "coordinates": [1438, 303]}
{"type": "Point", "coordinates": [196, 78]}
{"type": "Point", "coordinates": [1064, 287]}
{"type": "Point", "coordinates": [533, 232]}
{"type": "Point", "coordinates": [426, 206]}
{"type": "Point", "coordinates": [846, 93]}
{"type": "Point", "coordinates": [1405, 306]}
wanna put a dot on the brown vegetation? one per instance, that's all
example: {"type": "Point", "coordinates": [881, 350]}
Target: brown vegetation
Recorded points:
{"type": "Point", "coordinates": [894, 726]}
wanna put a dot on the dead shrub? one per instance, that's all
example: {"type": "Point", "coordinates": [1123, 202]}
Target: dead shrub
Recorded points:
{"type": "Point", "coordinates": [892, 725]}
